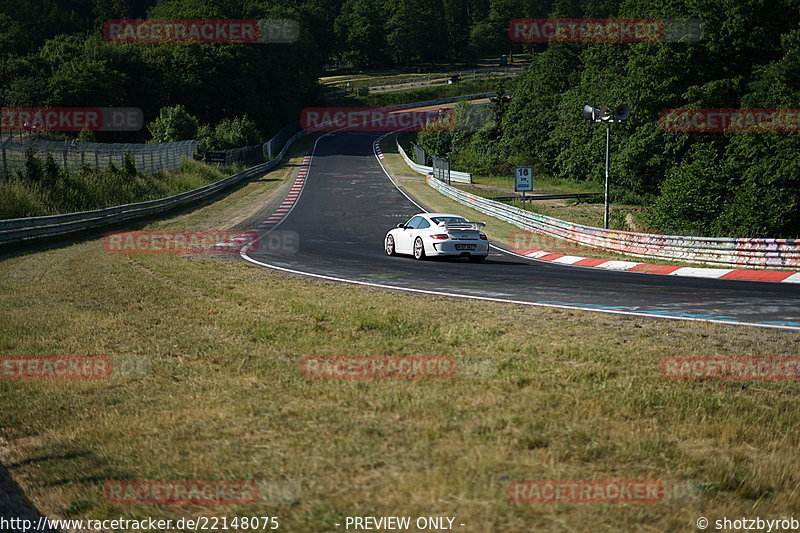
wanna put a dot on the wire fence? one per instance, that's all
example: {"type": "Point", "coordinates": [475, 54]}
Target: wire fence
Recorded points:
{"type": "Point", "coordinates": [73, 155]}
{"type": "Point", "coordinates": [419, 154]}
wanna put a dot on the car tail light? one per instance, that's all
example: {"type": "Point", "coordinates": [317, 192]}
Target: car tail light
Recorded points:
{"type": "Point", "coordinates": [483, 236]}
{"type": "Point", "coordinates": [440, 236]}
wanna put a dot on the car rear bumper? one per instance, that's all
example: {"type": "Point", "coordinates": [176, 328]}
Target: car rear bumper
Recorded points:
{"type": "Point", "coordinates": [454, 248]}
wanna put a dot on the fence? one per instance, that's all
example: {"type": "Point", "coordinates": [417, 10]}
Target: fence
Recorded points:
{"type": "Point", "coordinates": [460, 177]}
{"type": "Point", "coordinates": [441, 169]}
{"type": "Point", "coordinates": [73, 155]}
{"type": "Point", "coordinates": [729, 252]}
{"type": "Point", "coordinates": [253, 155]}
{"type": "Point", "coordinates": [419, 154]}
{"type": "Point", "coordinates": [248, 155]}
{"type": "Point", "coordinates": [273, 146]}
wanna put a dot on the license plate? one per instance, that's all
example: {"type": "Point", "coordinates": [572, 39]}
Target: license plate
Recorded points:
{"type": "Point", "coordinates": [465, 246]}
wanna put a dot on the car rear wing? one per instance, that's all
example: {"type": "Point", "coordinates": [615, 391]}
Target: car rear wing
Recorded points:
{"type": "Point", "coordinates": [463, 225]}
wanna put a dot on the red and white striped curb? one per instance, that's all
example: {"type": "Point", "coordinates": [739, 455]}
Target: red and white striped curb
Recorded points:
{"type": "Point", "coordinates": [694, 272]}
{"type": "Point", "coordinates": [277, 217]}
{"type": "Point", "coordinates": [377, 147]}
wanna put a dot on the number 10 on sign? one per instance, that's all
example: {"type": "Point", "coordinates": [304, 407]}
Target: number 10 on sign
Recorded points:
{"type": "Point", "coordinates": [523, 180]}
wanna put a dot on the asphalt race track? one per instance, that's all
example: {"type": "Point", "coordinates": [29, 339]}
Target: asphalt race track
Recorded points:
{"type": "Point", "coordinates": [349, 203]}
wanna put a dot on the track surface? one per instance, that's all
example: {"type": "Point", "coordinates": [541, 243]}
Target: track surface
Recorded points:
{"type": "Point", "coordinates": [349, 203]}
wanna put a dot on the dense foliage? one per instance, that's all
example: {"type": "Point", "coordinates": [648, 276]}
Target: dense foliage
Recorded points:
{"type": "Point", "coordinates": [741, 184]}
{"type": "Point", "coordinates": [52, 53]}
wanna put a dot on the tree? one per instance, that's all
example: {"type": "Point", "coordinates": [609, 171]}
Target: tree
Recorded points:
{"type": "Point", "coordinates": [173, 124]}
{"type": "Point", "coordinates": [361, 32]}
{"type": "Point", "coordinates": [229, 133]}
{"type": "Point", "coordinates": [413, 29]}
{"type": "Point", "coordinates": [693, 194]}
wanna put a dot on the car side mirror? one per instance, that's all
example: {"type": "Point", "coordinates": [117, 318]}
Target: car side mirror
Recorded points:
{"type": "Point", "coordinates": [401, 225]}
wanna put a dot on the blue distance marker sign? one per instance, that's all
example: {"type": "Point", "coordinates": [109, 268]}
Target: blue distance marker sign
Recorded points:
{"type": "Point", "coordinates": [523, 179]}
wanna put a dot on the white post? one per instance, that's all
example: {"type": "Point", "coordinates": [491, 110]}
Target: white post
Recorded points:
{"type": "Point", "coordinates": [608, 136]}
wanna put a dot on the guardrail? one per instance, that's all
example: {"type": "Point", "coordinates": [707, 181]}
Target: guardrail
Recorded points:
{"type": "Point", "coordinates": [460, 177]}
{"type": "Point", "coordinates": [20, 229]}
{"type": "Point", "coordinates": [722, 251]}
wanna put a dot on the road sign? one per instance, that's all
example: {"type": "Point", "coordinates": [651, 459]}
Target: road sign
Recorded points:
{"type": "Point", "coordinates": [215, 156]}
{"type": "Point", "coordinates": [523, 179]}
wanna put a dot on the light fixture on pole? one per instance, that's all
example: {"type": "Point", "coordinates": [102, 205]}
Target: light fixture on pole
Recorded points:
{"type": "Point", "coordinates": [607, 115]}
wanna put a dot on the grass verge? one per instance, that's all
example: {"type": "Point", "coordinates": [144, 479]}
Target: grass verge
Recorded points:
{"type": "Point", "coordinates": [435, 92]}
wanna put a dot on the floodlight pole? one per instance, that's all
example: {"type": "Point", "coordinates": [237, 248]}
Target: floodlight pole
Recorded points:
{"type": "Point", "coordinates": [608, 116]}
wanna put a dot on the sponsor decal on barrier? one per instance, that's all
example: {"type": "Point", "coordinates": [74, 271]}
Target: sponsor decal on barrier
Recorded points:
{"type": "Point", "coordinates": [373, 119]}
{"type": "Point", "coordinates": [71, 118]}
{"type": "Point", "coordinates": [730, 120]}
{"type": "Point", "coordinates": [378, 367]}
{"type": "Point", "coordinates": [201, 31]}
{"type": "Point", "coordinates": [55, 367]}
{"type": "Point", "coordinates": [731, 368]}
{"type": "Point", "coordinates": [198, 242]}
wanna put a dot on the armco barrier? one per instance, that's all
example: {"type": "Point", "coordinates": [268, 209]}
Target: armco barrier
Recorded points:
{"type": "Point", "coordinates": [729, 252]}
{"type": "Point", "coordinates": [460, 177]}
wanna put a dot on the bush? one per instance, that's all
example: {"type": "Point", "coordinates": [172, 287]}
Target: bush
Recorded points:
{"type": "Point", "coordinates": [229, 133]}
{"type": "Point", "coordinates": [173, 124]}
{"type": "Point", "coordinates": [692, 196]}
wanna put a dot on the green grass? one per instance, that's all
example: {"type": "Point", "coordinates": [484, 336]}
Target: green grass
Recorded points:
{"type": "Point", "coordinates": [218, 395]}
{"type": "Point", "coordinates": [66, 192]}
{"type": "Point", "coordinates": [542, 183]}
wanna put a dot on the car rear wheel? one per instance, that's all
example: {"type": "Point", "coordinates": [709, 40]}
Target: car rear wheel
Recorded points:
{"type": "Point", "coordinates": [419, 249]}
{"type": "Point", "coordinates": [389, 245]}
{"type": "Point", "coordinates": [477, 258]}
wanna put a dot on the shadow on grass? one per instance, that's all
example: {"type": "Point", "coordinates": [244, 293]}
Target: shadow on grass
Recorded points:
{"type": "Point", "coordinates": [14, 503]}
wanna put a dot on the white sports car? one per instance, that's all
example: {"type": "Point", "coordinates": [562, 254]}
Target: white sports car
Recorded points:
{"type": "Point", "coordinates": [438, 234]}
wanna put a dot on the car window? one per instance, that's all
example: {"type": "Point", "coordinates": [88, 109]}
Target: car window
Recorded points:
{"type": "Point", "coordinates": [423, 224]}
{"type": "Point", "coordinates": [412, 224]}
{"type": "Point", "coordinates": [439, 220]}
